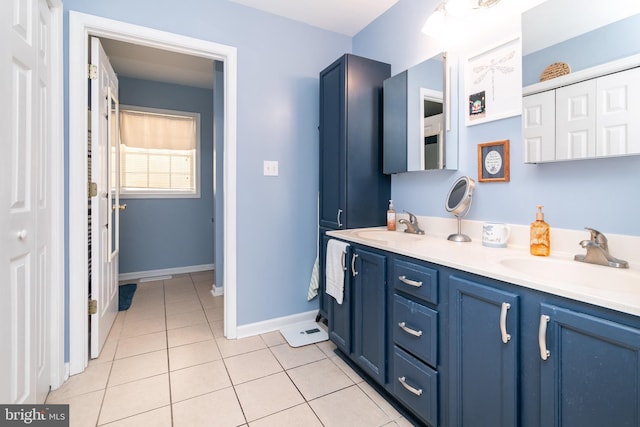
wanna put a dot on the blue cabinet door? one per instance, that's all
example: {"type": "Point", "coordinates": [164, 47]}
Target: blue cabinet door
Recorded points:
{"type": "Point", "coordinates": [483, 340]}
{"type": "Point", "coordinates": [369, 274]}
{"type": "Point", "coordinates": [333, 146]}
{"type": "Point", "coordinates": [339, 319]}
{"type": "Point", "coordinates": [591, 376]}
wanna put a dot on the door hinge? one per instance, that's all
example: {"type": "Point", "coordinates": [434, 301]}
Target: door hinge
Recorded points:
{"type": "Point", "coordinates": [92, 72]}
{"type": "Point", "coordinates": [93, 189]}
{"type": "Point", "coordinates": [93, 306]}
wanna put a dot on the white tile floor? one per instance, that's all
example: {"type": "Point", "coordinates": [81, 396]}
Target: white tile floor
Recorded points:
{"type": "Point", "coordinates": [167, 363]}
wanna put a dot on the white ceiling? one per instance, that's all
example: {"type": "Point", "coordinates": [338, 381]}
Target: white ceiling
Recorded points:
{"type": "Point", "coordinates": [342, 16]}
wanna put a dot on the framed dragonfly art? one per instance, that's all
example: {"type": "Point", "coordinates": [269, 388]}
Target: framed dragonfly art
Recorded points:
{"type": "Point", "coordinates": [493, 83]}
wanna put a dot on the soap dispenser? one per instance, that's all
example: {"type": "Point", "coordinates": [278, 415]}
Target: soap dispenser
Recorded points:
{"type": "Point", "coordinates": [540, 241]}
{"type": "Point", "coordinates": [391, 217]}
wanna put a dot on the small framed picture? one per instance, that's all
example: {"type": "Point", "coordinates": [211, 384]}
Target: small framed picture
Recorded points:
{"type": "Point", "coordinates": [493, 161]}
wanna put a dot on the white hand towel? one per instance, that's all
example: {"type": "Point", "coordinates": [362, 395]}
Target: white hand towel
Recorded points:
{"type": "Point", "coordinates": [333, 271]}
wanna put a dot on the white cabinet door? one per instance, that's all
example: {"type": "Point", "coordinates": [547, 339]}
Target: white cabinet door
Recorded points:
{"type": "Point", "coordinates": [575, 121]}
{"type": "Point", "coordinates": [618, 127]}
{"type": "Point", "coordinates": [539, 127]}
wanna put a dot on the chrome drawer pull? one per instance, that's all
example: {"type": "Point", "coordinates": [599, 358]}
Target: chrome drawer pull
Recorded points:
{"type": "Point", "coordinates": [353, 265]}
{"type": "Point", "coordinates": [503, 322]}
{"type": "Point", "coordinates": [409, 282]}
{"type": "Point", "coordinates": [343, 261]}
{"type": "Point", "coordinates": [542, 337]}
{"type": "Point", "coordinates": [413, 332]}
{"type": "Point", "coordinates": [416, 391]}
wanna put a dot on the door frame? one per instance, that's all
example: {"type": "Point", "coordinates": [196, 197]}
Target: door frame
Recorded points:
{"type": "Point", "coordinates": [81, 27]}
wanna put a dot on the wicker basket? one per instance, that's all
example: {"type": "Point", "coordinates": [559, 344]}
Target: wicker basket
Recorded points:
{"type": "Point", "coordinates": [554, 70]}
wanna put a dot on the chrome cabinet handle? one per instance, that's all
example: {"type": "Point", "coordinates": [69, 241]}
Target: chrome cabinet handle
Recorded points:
{"type": "Point", "coordinates": [409, 282]}
{"type": "Point", "coordinates": [542, 337]}
{"type": "Point", "coordinates": [416, 391]}
{"type": "Point", "coordinates": [503, 322]}
{"type": "Point", "coordinates": [338, 217]}
{"type": "Point", "coordinates": [408, 330]}
{"type": "Point", "coordinates": [353, 265]}
{"type": "Point", "coordinates": [343, 261]}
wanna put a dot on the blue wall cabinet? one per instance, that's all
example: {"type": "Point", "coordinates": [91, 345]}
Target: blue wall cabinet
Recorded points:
{"type": "Point", "coordinates": [369, 276]}
{"type": "Point", "coordinates": [483, 346]}
{"type": "Point", "coordinates": [591, 375]}
{"type": "Point", "coordinates": [353, 190]}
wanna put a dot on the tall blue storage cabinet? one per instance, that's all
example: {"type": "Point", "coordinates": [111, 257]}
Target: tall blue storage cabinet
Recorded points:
{"type": "Point", "coordinates": [354, 192]}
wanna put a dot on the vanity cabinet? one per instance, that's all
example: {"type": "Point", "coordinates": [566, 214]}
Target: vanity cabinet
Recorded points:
{"type": "Point", "coordinates": [353, 190]}
{"type": "Point", "coordinates": [462, 350]}
{"type": "Point", "coordinates": [586, 119]}
{"type": "Point", "coordinates": [415, 338]}
{"type": "Point", "coordinates": [591, 375]}
{"type": "Point", "coordinates": [484, 365]}
{"type": "Point", "coordinates": [358, 325]}
{"type": "Point", "coordinates": [525, 358]}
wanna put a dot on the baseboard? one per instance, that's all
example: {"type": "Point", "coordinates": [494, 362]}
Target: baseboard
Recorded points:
{"type": "Point", "coordinates": [217, 291]}
{"type": "Point", "coordinates": [165, 272]}
{"type": "Point", "coordinates": [274, 324]}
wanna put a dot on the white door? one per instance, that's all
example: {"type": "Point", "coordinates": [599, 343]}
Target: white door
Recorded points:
{"type": "Point", "coordinates": [104, 161]}
{"type": "Point", "coordinates": [26, 234]}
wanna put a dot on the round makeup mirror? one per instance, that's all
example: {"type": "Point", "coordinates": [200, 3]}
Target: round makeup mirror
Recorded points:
{"type": "Point", "coordinates": [458, 203]}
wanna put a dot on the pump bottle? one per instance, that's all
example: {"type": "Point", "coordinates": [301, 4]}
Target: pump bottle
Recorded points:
{"type": "Point", "coordinates": [391, 217]}
{"type": "Point", "coordinates": [540, 231]}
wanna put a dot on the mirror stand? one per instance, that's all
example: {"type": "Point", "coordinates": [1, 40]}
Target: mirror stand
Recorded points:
{"type": "Point", "coordinates": [459, 237]}
{"type": "Point", "coordinates": [458, 203]}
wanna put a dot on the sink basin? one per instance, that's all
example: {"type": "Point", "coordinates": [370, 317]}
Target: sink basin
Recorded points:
{"type": "Point", "coordinates": [557, 271]}
{"type": "Point", "coordinates": [388, 236]}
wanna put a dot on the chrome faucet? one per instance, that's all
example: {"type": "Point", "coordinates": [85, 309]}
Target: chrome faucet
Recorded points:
{"type": "Point", "coordinates": [598, 251]}
{"type": "Point", "coordinates": [412, 224]}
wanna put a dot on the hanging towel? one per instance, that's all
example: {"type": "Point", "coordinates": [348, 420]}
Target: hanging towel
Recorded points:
{"type": "Point", "coordinates": [313, 283]}
{"type": "Point", "coordinates": [334, 271]}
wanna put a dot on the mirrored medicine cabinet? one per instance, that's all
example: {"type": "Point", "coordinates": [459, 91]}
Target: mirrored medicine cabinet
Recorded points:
{"type": "Point", "coordinates": [417, 119]}
{"type": "Point", "coordinates": [588, 109]}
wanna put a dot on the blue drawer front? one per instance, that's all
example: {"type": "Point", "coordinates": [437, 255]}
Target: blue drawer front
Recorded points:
{"type": "Point", "coordinates": [415, 328]}
{"type": "Point", "coordinates": [416, 280]}
{"type": "Point", "coordinates": [416, 385]}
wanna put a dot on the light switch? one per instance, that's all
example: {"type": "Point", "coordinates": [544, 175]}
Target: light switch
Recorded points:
{"type": "Point", "coordinates": [270, 168]}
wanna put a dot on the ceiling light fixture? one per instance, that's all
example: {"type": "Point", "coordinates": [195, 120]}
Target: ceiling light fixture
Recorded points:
{"type": "Point", "coordinates": [436, 22]}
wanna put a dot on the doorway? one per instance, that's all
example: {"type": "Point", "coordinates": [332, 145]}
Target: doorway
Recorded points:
{"type": "Point", "coordinates": [81, 27]}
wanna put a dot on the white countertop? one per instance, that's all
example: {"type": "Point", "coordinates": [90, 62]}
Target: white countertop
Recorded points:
{"type": "Point", "coordinates": [558, 274]}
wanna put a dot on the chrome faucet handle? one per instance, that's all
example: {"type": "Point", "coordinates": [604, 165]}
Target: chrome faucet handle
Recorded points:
{"type": "Point", "coordinates": [599, 238]}
{"type": "Point", "coordinates": [412, 217]}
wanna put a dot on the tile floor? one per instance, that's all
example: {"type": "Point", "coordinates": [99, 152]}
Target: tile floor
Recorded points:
{"type": "Point", "coordinates": [167, 363]}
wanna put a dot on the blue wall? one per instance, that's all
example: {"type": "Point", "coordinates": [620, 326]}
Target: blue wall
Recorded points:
{"type": "Point", "coordinates": [278, 65]}
{"type": "Point", "coordinates": [174, 232]}
{"type": "Point", "coordinates": [608, 43]}
{"type": "Point", "coordinates": [598, 193]}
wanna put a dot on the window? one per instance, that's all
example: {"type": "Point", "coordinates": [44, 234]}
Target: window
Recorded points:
{"type": "Point", "coordinates": [159, 153]}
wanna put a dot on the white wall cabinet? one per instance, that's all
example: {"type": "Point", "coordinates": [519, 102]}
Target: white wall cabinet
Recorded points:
{"type": "Point", "coordinates": [583, 120]}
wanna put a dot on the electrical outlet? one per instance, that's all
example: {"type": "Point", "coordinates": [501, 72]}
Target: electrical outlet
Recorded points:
{"type": "Point", "coordinates": [270, 168]}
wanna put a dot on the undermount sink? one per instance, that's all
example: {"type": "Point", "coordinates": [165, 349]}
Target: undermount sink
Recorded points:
{"type": "Point", "coordinates": [388, 236]}
{"type": "Point", "coordinates": [554, 270]}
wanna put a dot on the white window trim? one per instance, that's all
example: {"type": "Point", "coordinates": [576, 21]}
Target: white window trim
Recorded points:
{"type": "Point", "coordinates": [162, 194]}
